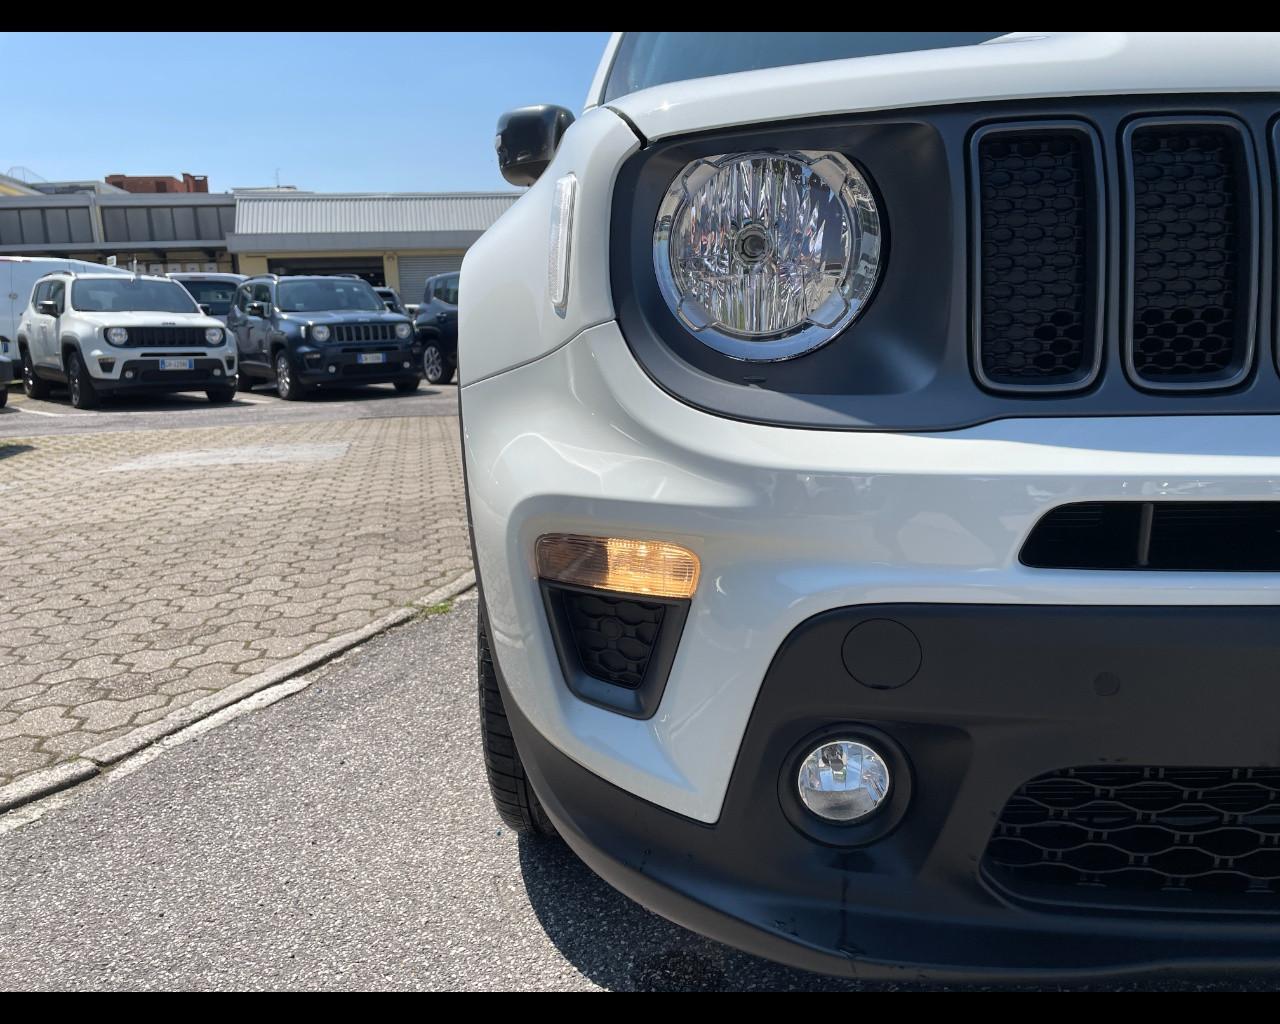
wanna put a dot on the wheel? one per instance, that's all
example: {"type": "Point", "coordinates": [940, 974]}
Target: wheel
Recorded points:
{"type": "Point", "coordinates": [287, 387]}
{"type": "Point", "coordinates": [244, 382]}
{"type": "Point", "coordinates": [4, 395]}
{"type": "Point", "coordinates": [516, 802]}
{"type": "Point", "coordinates": [436, 366]}
{"type": "Point", "coordinates": [83, 394]}
{"type": "Point", "coordinates": [220, 396]}
{"type": "Point", "coordinates": [408, 384]}
{"type": "Point", "coordinates": [32, 385]}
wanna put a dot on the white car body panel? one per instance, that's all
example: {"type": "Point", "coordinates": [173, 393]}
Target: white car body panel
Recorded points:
{"type": "Point", "coordinates": [789, 523]}
{"type": "Point", "coordinates": [1017, 66]}
{"type": "Point", "coordinates": [511, 311]}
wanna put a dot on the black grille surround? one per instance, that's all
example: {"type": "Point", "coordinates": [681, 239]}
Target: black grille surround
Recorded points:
{"type": "Point", "coordinates": [168, 337]}
{"type": "Point", "coordinates": [1174, 838]}
{"type": "Point", "coordinates": [1038, 256]}
{"type": "Point", "coordinates": [911, 361]}
{"type": "Point", "coordinates": [1192, 247]}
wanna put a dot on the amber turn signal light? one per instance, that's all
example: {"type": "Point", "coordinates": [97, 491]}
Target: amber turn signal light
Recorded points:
{"type": "Point", "coordinates": [651, 567]}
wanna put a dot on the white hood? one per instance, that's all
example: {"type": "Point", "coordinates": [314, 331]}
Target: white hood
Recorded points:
{"type": "Point", "coordinates": [148, 319]}
{"type": "Point", "coordinates": [1020, 65]}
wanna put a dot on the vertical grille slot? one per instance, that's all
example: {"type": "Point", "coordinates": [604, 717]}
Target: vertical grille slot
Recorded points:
{"type": "Point", "coordinates": [1192, 247]}
{"type": "Point", "coordinates": [1037, 257]}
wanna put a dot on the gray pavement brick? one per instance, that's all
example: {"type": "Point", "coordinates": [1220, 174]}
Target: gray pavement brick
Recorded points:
{"type": "Point", "coordinates": [131, 596]}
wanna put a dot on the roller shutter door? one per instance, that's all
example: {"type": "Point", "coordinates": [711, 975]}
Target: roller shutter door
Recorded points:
{"type": "Point", "coordinates": [414, 271]}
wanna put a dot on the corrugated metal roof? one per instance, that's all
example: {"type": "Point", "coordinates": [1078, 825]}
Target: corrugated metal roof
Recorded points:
{"type": "Point", "coordinates": [328, 214]}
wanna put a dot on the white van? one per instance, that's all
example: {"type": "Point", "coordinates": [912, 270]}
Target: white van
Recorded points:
{"type": "Point", "coordinates": [18, 275]}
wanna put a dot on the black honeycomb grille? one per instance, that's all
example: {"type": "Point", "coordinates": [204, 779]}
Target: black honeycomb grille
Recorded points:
{"type": "Point", "coordinates": [1037, 258]}
{"type": "Point", "coordinates": [1189, 224]}
{"type": "Point", "coordinates": [615, 637]}
{"type": "Point", "coordinates": [164, 337]}
{"type": "Point", "coordinates": [1186, 838]}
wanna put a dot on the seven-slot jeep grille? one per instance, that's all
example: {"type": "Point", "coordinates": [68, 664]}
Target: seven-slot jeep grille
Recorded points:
{"type": "Point", "coordinates": [364, 332]}
{"type": "Point", "coordinates": [176, 337]}
{"type": "Point", "coordinates": [1184, 838]}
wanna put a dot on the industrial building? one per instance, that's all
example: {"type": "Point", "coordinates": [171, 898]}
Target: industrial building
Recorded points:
{"type": "Point", "coordinates": [389, 239]}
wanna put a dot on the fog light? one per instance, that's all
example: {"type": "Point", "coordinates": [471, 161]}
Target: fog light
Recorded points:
{"type": "Point", "coordinates": [129, 374]}
{"type": "Point", "coordinates": [332, 368]}
{"type": "Point", "coordinates": [217, 373]}
{"type": "Point", "coordinates": [843, 780]}
{"type": "Point", "coordinates": [405, 364]}
{"type": "Point", "coordinates": [651, 567]}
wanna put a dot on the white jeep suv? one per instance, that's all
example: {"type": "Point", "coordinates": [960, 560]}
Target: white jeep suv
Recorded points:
{"type": "Point", "coordinates": [873, 461]}
{"type": "Point", "coordinates": [104, 335]}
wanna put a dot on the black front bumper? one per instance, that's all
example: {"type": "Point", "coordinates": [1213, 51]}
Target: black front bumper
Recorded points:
{"type": "Point", "coordinates": [313, 365]}
{"type": "Point", "coordinates": [148, 378]}
{"type": "Point", "coordinates": [1000, 694]}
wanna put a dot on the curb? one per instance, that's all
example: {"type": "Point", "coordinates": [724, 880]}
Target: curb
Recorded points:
{"type": "Point", "coordinates": [46, 781]}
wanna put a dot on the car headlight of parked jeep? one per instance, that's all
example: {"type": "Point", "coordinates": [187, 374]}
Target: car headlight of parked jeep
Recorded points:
{"type": "Point", "coordinates": [320, 333]}
{"type": "Point", "coordinates": [766, 256]}
{"type": "Point", "coordinates": [404, 330]}
{"type": "Point", "coordinates": [213, 336]}
{"type": "Point", "coordinates": [117, 335]}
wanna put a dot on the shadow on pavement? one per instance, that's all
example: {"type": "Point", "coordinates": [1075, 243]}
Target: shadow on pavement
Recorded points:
{"type": "Point", "coordinates": [8, 450]}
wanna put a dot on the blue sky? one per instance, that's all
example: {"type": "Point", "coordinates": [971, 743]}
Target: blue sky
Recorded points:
{"type": "Point", "coordinates": [391, 111]}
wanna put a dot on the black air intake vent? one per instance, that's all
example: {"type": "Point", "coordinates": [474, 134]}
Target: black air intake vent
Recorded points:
{"type": "Point", "coordinates": [1191, 250]}
{"type": "Point", "coordinates": [1169, 838]}
{"type": "Point", "coordinates": [1188, 536]}
{"type": "Point", "coordinates": [1037, 257]}
{"type": "Point", "coordinates": [614, 649]}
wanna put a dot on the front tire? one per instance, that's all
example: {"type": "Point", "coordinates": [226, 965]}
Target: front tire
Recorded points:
{"type": "Point", "coordinates": [4, 395]}
{"type": "Point", "coordinates": [32, 385]}
{"type": "Point", "coordinates": [408, 385]}
{"type": "Point", "coordinates": [244, 382]}
{"type": "Point", "coordinates": [513, 797]}
{"type": "Point", "coordinates": [220, 396]}
{"type": "Point", "coordinates": [437, 368]}
{"type": "Point", "coordinates": [83, 393]}
{"type": "Point", "coordinates": [287, 386]}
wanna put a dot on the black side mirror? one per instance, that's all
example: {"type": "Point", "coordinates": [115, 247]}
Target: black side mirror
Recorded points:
{"type": "Point", "coordinates": [527, 139]}
{"type": "Point", "coordinates": [47, 308]}
{"type": "Point", "coordinates": [256, 309]}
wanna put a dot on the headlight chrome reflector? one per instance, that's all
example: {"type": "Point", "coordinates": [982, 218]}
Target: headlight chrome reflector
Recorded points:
{"type": "Point", "coordinates": [213, 336]}
{"type": "Point", "coordinates": [403, 330]}
{"type": "Point", "coordinates": [766, 256]}
{"type": "Point", "coordinates": [117, 335]}
{"type": "Point", "coordinates": [319, 332]}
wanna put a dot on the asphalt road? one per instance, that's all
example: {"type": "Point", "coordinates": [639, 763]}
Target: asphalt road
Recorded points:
{"type": "Point", "coordinates": [22, 417]}
{"type": "Point", "coordinates": [341, 838]}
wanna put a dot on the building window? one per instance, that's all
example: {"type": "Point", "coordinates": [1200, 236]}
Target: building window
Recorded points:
{"type": "Point", "coordinates": [10, 228]}
{"type": "Point", "coordinates": [184, 223]}
{"type": "Point", "coordinates": [138, 228]}
{"type": "Point", "coordinates": [56, 223]}
{"type": "Point", "coordinates": [32, 227]}
{"type": "Point", "coordinates": [162, 224]}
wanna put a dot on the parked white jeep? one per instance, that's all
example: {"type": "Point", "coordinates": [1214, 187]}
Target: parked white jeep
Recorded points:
{"type": "Point", "coordinates": [107, 334]}
{"type": "Point", "coordinates": [873, 466]}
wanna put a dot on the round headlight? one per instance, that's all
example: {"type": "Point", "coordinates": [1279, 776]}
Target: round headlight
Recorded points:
{"type": "Point", "coordinates": [766, 256]}
{"type": "Point", "coordinates": [843, 780]}
{"type": "Point", "coordinates": [213, 336]}
{"type": "Point", "coordinates": [404, 330]}
{"type": "Point", "coordinates": [117, 335]}
{"type": "Point", "coordinates": [319, 332]}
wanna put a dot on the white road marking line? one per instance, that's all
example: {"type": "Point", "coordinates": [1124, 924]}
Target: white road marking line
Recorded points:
{"type": "Point", "coordinates": [39, 412]}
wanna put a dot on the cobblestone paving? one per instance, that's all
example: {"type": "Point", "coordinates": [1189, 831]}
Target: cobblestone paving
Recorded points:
{"type": "Point", "coordinates": [142, 571]}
